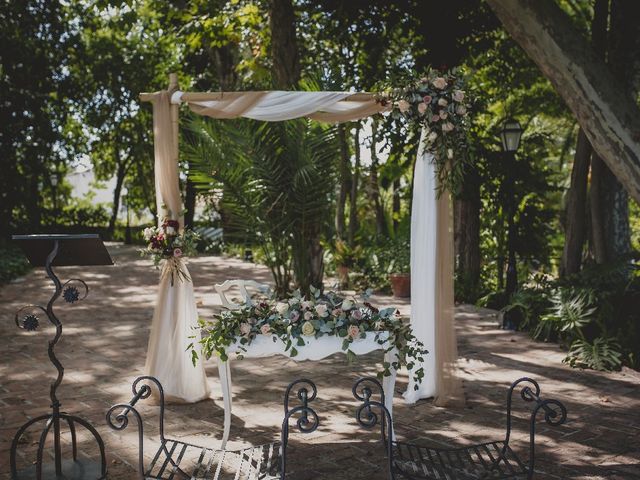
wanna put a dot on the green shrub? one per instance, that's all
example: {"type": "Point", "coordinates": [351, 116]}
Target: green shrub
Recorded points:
{"type": "Point", "coordinates": [593, 314]}
{"type": "Point", "coordinates": [13, 263]}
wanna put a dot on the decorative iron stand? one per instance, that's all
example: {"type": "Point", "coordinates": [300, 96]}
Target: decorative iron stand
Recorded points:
{"type": "Point", "coordinates": [27, 319]}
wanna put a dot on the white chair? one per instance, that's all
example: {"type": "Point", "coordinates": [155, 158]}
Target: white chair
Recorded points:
{"type": "Point", "coordinates": [241, 285]}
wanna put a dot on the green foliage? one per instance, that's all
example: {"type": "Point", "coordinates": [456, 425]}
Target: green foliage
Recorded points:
{"type": "Point", "coordinates": [601, 354]}
{"type": "Point", "coordinates": [13, 263]}
{"type": "Point", "coordinates": [593, 314]}
{"type": "Point", "coordinates": [278, 179]}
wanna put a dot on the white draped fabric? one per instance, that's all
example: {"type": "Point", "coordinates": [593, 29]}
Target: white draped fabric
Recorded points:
{"type": "Point", "coordinates": [175, 316]}
{"type": "Point", "coordinates": [423, 269]}
{"type": "Point", "coordinates": [431, 238]}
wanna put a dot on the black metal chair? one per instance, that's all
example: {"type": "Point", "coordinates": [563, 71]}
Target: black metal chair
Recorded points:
{"type": "Point", "coordinates": [175, 459]}
{"type": "Point", "coordinates": [490, 460]}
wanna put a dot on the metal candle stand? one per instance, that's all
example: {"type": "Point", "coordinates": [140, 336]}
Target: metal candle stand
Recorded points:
{"type": "Point", "coordinates": [27, 319]}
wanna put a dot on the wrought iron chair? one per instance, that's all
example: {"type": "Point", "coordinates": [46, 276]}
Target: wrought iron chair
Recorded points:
{"type": "Point", "coordinates": [242, 285]}
{"type": "Point", "coordinates": [490, 460]}
{"type": "Point", "coordinates": [175, 459]}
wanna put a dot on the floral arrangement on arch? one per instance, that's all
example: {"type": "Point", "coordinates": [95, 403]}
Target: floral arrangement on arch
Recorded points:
{"type": "Point", "coordinates": [168, 244]}
{"type": "Point", "coordinates": [297, 317]}
{"type": "Point", "coordinates": [439, 103]}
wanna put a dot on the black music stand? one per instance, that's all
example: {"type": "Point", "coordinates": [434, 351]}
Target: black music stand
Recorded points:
{"type": "Point", "coordinates": [48, 251]}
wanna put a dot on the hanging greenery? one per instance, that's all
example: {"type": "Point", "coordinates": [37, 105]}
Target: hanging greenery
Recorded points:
{"type": "Point", "coordinates": [437, 101]}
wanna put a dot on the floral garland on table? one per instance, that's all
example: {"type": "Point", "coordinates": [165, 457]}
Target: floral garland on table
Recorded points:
{"type": "Point", "coordinates": [438, 102]}
{"type": "Point", "coordinates": [167, 244]}
{"type": "Point", "coordinates": [298, 317]}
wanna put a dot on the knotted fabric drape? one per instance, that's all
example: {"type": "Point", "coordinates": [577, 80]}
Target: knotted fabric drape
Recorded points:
{"type": "Point", "coordinates": [431, 238]}
{"type": "Point", "coordinates": [175, 316]}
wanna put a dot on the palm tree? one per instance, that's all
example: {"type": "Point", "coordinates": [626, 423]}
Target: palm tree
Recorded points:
{"type": "Point", "coordinates": [278, 181]}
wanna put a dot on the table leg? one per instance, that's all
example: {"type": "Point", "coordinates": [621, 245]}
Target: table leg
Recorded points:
{"type": "Point", "coordinates": [224, 372]}
{"type": "Point", "coordinates": [389, 384]}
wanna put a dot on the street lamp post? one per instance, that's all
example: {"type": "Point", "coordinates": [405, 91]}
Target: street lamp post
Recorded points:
{"type": "Point", "coordinates": [510, 136]}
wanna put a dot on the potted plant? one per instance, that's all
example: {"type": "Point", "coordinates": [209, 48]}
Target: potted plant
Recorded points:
{"type": "Point", "coordinates": [399, 267]}
{"type": "Point", "coordinates": [345, 258]}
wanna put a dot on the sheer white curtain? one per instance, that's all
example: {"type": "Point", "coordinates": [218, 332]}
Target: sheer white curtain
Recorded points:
{"type": "Point", "coordinates": [432, 308]}
{"type": "Point", "coordinates": [175, 316]}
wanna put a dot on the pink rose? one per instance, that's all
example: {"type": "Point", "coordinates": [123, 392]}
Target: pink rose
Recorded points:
{"type": "Point", "coordinates": [443, 102]}
{"type": "Point", "coordinates": [245, 329]}
{"type": "Point", "coordinates": [353, 331]}
{"type": "Point", "coordinates": [308, 315]}
{"type": "Point", "coordinates": [443, 114]}
{"type": "Point", "coordinates": [447, 127]}
{"type": "Point", "coordinates": [335, 312]}
{"type": "Point", "coordinates": [435, 118]}
{"type": "Point", "coordinates": [439, 83]}
{"type": "Point", "coordinates": [403, 106]}
{"type": "Point", "coordinates": [357, 314]}
{"type": "Point", "coordinates": [265, 329]}
{"type": "Point", "coordinates": [427, 99]}
{"type": "Point", "coordinates": [458, 95]}
{"type": "Point", "coordinates": [177, 252]}
{"type": "Point", "coordinates": [422, 107]}
{"type": "Point", "coordinates": [461, 110]}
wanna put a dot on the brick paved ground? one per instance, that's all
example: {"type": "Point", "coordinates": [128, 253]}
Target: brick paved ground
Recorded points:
{"type": "Point", "coordinates": [104, 345]}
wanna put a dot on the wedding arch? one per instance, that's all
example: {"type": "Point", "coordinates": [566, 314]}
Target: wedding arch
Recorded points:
{"type": "Point", "coordinates": [432, 257]}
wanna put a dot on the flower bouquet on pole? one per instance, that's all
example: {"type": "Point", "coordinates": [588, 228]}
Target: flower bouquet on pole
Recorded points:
{"type": "Point", "coordinates": [168, 245]}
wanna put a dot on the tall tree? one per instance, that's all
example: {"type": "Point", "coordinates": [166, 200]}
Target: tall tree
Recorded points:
{"type": "Point", "coordinates": [575, 214]}
{"type": "Point", "coordinates": [602, 104]}
{"type": "Point", "coordinates": [284, 44]}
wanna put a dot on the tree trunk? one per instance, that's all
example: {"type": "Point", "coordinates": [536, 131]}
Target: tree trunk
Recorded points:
{"type": "Point", "coordinates": [353, 200]}
{"type": "Point", "coordinates": [467, 236]}
{"type": "Point", "coordinates": [601, 102]}
{"type": "Point", "coordinates": [344, 183]}
{"type": "Point", "coordinates": [374, 185]}
{"type": "Point", "coordinates": [286, 60]}
{"type": "Point", "coordinates": [396, 205]}
{"type": "Point", "coordinates": [189, 204]}
{"type": "Point", "coordinates": [120, 174]}
{"type": "Point", "coordinates": [613, 239]}
{"type": "Point", "coordinates": [575, 209]}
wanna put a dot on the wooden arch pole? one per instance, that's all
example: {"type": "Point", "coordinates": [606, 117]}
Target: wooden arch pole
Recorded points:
{"type": "Point", "coordinates": [166, 149]}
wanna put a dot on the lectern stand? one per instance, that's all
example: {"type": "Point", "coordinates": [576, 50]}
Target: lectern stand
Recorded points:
{"type": "Point", "coordinates": [48, 251]}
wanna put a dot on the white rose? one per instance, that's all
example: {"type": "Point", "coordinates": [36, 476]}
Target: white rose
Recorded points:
{"type": "Point", "coordinates": [458, 95]}
{"type": "Point", "coordinates": [308, 328]}
{"type": "Point", "coordinates": [148, 233]}
{"type": "Point", "coordinates": [347, 304]}
{"type": "Point", "coordinates": [307, 304]}
{"type": "Point", "coordinates": [443, 102]}
{"type": "Point", "coordinates": [308, 316]}
{"type": "Point", "coordinates": [322, 310]}
{"type": "Point", "coordinates": [422, 107]}
{"type": "Point", "coordinates": [170, 230]}
{"type": "Point", "coordinates": [439, 83]}
{"type": "Point", "coordinates": [432, 137]}
{"type": "Point", "coordinates": [282, 308]}
{"type": "Point", "coordinates": [461, 110]}
{"type": "Point", "coordinates": [403, 106]}
{"type": "Point", "coordinates": [447, 127]}
{"type": "Point", "coordinates": [245, 329]}
{"type": "Point", "coordinates": [443, 114]}
{"type": "Point", "coordinates": [450, 153]}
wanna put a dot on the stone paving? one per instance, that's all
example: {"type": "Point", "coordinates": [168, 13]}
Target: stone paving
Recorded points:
{"type": "Point", "coordinates": [104, 345]}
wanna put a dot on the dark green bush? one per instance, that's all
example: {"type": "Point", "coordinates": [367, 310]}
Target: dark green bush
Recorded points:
{"type": "Point", "coordinates": [13, 263]}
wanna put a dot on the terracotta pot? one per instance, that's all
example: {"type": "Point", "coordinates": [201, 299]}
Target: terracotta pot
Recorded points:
{"type": "Point", "coordinates": [400, 284]}
{"type": "Point", "coordinates": [343, 275]}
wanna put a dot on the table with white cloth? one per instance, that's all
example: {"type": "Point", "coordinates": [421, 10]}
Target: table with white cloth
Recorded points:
{"type": "Point", "coordinates": [314, 349]}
